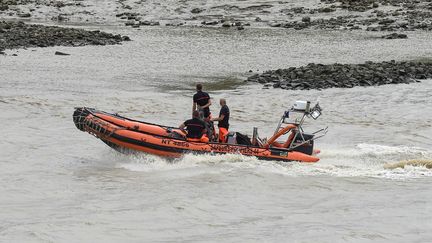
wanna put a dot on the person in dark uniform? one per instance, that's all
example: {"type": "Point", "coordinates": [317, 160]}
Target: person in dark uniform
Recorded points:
{"type": "Point", "coordinates": [196, 129]}
{"type": "Point", "coordinates": [223, 119]}
{"type": "Point", "coordinates": [201, 102]}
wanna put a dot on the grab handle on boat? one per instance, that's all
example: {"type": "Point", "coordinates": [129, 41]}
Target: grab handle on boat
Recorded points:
{"type": "Point", "coordinates": [279, 133]}
{"type": "Point", "coordinates": [254, 136]}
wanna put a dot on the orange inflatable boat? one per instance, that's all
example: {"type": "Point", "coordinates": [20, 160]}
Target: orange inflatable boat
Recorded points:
{"type": "Point", "coordinates": [127, 135]}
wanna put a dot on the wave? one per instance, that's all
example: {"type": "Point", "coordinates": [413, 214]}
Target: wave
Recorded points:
{"type": "Point", "coordinates": [414, 162]}
{"type": "Point", "coordinates": [363, 160]}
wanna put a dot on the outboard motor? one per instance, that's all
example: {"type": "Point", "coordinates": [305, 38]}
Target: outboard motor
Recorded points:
{"type": "Point", "coordinates": [306, 148]}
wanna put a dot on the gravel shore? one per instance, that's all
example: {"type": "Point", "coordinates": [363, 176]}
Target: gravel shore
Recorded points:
{"type": "Point", "coordinates": [371, 15]}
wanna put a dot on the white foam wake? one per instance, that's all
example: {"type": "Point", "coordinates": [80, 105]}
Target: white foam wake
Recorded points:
{"type": "Point", "coordinates": [363, 160]}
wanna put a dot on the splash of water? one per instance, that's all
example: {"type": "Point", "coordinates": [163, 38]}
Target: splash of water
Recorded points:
{"type": "Point", "coordinates": [364, 160]}
{"type": "Point", "coordinates": [415, 162]}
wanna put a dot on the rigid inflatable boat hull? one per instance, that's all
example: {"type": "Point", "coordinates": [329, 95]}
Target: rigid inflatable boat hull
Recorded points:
{"type": "Point", "coordinates": [126, 135]}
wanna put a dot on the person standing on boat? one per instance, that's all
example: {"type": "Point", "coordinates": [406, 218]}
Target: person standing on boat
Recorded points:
{"type": "Point", "coordinates": [201, 102]}
{"type": "Point", "coordinates": [196, 128]}
{"type": "Point", "coordinates": [223, 119]}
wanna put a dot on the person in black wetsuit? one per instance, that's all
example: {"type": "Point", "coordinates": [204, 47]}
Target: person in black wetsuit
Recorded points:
{"type": "Point", "coordinates": [223, 119]}
{"type": "Point", "coordinates": [201, 102]}
{"type": "Point", "coordinates": [195, 128]}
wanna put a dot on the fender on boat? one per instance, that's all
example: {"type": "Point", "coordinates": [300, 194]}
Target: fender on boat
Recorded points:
{"type": "Point", "coordinates": [297, 156]}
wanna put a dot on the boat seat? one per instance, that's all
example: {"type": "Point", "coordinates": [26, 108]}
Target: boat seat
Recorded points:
{"type": "Point", "coordinates": [203, 139]}
{"type": "Point", "coordinates": [177, 135]}
{"type": "Point", "coordinates": [232, 138]}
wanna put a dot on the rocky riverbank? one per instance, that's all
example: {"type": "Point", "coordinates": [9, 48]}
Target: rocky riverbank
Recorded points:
{"type": "Point", "coordinates": [20, 35]}
{"type": "Point", "coordinates": [371, 15]}
{"type": "Point", "coordinates": [319, 76]}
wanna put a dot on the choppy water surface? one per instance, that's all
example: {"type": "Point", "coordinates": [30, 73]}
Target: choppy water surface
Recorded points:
{"type": "Point", "coordinates": [62, 185]}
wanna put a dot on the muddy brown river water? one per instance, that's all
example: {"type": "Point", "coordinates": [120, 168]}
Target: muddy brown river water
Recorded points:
{"type": "Point", "coordinates": [62, 185]}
